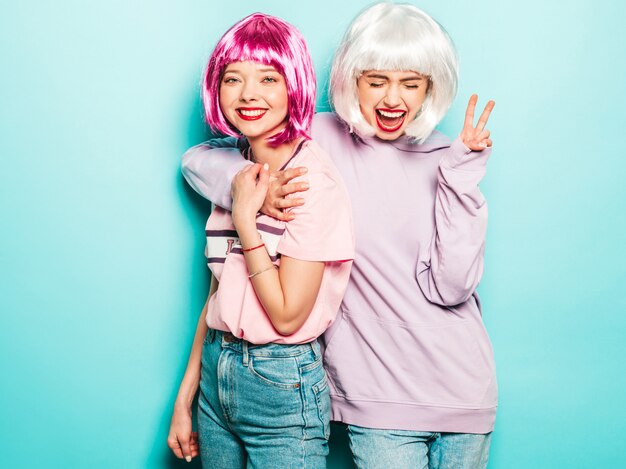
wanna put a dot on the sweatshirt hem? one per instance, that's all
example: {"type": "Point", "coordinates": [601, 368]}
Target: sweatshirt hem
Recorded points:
{"type": "Point", "coordinates": [397, 416]}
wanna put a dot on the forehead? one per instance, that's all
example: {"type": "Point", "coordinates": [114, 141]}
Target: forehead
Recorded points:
{"type": "Point", "coordinates": [249, 66]}
{"type": "Point", "coordinates": [394, 74]}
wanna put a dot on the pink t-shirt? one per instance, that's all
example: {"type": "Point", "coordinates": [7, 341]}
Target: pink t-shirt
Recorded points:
{"type": "Point", "coordinates": [321, 231]}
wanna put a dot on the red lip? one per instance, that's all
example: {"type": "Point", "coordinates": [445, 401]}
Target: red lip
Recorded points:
{"type": "Point", "coordinates": [390, 129]}
{"type": "Point", "coordinates": [390, 110]}
{"type": "Point", "coordinates": [251, 118]}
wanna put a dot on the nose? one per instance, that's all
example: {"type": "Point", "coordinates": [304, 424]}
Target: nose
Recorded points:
{"type": "Point", "coordinates": [392, 96]}
{"type": "Point", "coordinates": [248, 91]}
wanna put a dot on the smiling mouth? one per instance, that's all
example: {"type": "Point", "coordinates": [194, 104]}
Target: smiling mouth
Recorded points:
{"type": "Point", "coordinates": [251, 114]}
{"type": "Point", "coordinates": [389, 120]}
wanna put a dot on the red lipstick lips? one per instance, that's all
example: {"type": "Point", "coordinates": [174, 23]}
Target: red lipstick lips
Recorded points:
{"type": "Point", "coordinates": [392, 121]}
{"type": "Point", "coordinates": [251, 113]}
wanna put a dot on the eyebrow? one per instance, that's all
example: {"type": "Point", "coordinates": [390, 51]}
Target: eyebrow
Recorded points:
{"type": "Point", "coordinates": [262, 70]}
{"type": "Point", "coordinates": [385, 77]}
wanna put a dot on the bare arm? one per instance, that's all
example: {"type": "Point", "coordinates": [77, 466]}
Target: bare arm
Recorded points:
{"type": "Point", "coordinates": [289, 293]}
{"type": "Point", "coordinates": [182, 441]}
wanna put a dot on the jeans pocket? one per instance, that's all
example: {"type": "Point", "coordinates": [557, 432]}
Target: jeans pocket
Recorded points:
{"type": "Point", "coordinates": [280, 372]}
{"type": "Point", "coordinates": [322, 400]}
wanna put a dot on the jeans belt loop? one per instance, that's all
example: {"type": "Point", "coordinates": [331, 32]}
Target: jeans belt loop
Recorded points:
{"type": "Point", "coordinates": [315, 348]}
{"type": "Point", "coordinates": [245, 352]}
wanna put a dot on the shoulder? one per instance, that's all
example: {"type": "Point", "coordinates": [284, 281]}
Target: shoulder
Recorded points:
{"type": "Point", "coordinates": [328, 123]}
{"type": "Point", "coordinates": [322, 174]}
{"type": "Point", "coordinates": [329, 119]}
{"type": "Point", "coordinates": [311, 150]}
{"type": "Point", "coordinates": [334, 136]}
{"type": "Point", "coordinates": [316, 159]}
{"type": "Point", "coordinates": [437, 139]}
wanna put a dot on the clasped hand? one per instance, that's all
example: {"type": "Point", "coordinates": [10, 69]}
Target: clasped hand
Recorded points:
{"type": "Point", "coordinates": [248, 190]}
{"type": "Point", "coordinates": [253, 189]}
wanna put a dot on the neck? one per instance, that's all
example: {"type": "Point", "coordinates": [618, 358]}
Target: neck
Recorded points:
{"type": "Point", "coordinates": [275, 157]}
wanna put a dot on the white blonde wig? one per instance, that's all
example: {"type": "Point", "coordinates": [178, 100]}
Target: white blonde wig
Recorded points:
{"type": "Point", "coordinates": [389, 36]}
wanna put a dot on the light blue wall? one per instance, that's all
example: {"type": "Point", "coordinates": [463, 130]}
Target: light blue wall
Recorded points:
{"type": "Point", "coordinates": [101, 268]}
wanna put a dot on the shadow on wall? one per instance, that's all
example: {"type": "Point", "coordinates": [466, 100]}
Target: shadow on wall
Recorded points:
{"type": "Point", "coordinates": [339, 457]}
{"type": "Point", "coordinates": [196, 209]}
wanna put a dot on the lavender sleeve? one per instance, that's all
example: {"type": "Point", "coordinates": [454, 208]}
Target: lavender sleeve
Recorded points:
{"type": "Point", "coordinates": [210, 167]}
{"type": "Point", "coordinates": [454, 268]}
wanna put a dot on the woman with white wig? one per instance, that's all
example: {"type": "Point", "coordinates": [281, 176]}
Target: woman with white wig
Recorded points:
{"type": "Point", "coordinates": [409, 362]}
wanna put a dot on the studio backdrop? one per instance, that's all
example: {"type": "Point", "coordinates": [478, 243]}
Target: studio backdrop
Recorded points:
{"type": "Point", "coordinates": [102, 274]}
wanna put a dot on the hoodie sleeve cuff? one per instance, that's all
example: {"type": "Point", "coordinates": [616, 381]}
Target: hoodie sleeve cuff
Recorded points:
{"type": "Point", "coordinates": [460, 157]}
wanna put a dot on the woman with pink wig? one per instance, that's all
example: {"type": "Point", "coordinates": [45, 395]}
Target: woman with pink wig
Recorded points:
{"type": "Point", "coordinates": [264, 399]}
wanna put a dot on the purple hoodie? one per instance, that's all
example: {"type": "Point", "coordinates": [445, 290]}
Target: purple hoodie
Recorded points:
{"type": "Point", "coordinates": [408, 350]}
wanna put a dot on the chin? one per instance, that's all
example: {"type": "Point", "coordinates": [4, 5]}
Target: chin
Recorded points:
{"type": "Point", "coordinates": [389, 135]}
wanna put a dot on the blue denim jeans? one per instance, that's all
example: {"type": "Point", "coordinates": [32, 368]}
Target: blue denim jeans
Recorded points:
{"type": "Point", "coordinates": [262, 406]}
{"type": "Point", "coordinates": [403, 449]}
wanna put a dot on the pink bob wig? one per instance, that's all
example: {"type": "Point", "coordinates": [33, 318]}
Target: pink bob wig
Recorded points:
{"type": "Point", "coordinates": [271, 41]}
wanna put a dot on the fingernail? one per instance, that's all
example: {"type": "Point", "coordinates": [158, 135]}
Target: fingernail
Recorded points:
{"type": "Point", "coordinates": [303, 170]}
{"type": "Point", "coordinates": [188, 458]}
{"type": "Point", "coordinates": [305, 185]}
{"type": "Point", "coordinates": [482, 144]}
{"type": "Point", "coordinates": [266, 166]}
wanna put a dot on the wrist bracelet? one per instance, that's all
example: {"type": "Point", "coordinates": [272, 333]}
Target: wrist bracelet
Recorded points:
{"type": "Point", "coordinates": [261, 271]}
{"type": "Point", "coordinates": [255, 247]}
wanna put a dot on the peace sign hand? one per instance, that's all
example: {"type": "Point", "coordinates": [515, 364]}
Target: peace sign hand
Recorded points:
{"type": "Point", "coordinates": [476, 138]}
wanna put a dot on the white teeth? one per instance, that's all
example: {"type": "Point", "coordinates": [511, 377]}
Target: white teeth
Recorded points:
{"type": "Point", "coordinates": [391, 115]}
{"type": "Point", "coordinates": [254, 113]}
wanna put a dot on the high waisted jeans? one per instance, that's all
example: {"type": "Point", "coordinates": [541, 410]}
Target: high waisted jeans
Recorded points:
{"type": "Point", "coordinates": [262, 406]}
